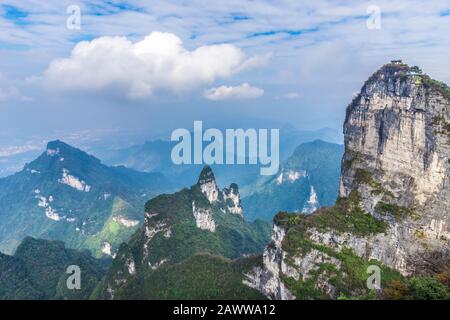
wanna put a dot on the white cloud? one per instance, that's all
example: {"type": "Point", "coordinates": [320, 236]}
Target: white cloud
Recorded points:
{"type": "Point", "coordinates": [244, 91]}
{"type": "Point", "coordinates": [159, 63]}
{"type": "Point", "coordinates": [14, 150]}
{"type": "Point", "coordinates": [9, 91]}
{"type": "Point", "coordinates": [315, 44]}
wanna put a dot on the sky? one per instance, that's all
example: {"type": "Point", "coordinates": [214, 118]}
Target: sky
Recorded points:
{"type": "Point", "coordinates": [105, 66]}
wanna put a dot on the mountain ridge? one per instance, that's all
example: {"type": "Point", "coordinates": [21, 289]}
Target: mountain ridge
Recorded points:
{"type": "Point", "coordinates": [393, 210]}
{"type": "Point", "coordinates": [307, 180]}
{"type": "Point", "coordinates": [199, 219]}
{"type": "Point", "coordinates": [70, 195]}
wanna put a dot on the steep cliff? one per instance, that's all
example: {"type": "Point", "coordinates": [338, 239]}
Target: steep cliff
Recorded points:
{"type": "Point", "coordinates": [176, 229]}
{"type": "Point", "coordinates": [394, 205]}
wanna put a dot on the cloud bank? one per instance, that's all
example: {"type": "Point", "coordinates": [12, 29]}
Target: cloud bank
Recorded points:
{"type": "Point", "coordinates": [244, 91]}
{"type": "Point", "coordinates": [139, 70]}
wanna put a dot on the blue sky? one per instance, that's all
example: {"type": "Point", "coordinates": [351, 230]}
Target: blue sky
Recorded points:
{"type": "Point", "coordinates": [277, 62]}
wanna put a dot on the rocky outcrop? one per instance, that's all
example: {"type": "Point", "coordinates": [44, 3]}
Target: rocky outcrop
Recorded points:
{"type": "Point", "coordinates": [228, 200]}
{"type": "Point", "coordinates": [394, 206]}
{"type": "Point", "coordinates": [203, 218]}
{"type": "Point", "coordinates": [267, 279]}
{"type": "Point", "coordinates": [312, 204]}
{"type": "Point", "coordinates": [232, 199]}
{"type": "Point", "coordinates": [196, 220]}
{"type": "Point", "coordinates": [290, 176]}
{"type": "Point", "coordinates": [397, 139]}
{"type": "Point", "coordinates": [208, 185]}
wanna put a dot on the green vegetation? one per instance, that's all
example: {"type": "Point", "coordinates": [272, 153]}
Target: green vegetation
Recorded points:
{"type": "Point", "coordinates": [353, 273]}
{"type": "Point", "coordinates": [396, 211]}
{"type": "Point", "coordinates": [439, 86]}
{"type": "Point", "coordinates": [348, 278]}
{"type": "Point", "coordinates": [350, 275]}
{"type": "Point", "coordinates": [427, 288]}
{"type": "Point", "coordinates": [233, 235]}
{"type": "Point", "coordinates": [174, 249]}
{"type": "Point", "coordinates": [417, 288]}
{"type": "Point", "coordinates": [353, 158]}
{"type": "Point", "coordinates": [304, 290]}
{"type": "Point", "coordinates": [416, 69]}
{"type": "Point", "coordinates": [364, 176]}
{"type": "Point", "coordinates": [14, 281]}
{"type": "Point", "coordinates": [202, 276]}
{"type": "Point", "coordinates": [345, 216]}
{"type": "Point", "coordinates": [84, 217]}
{"type": "Point", "coordinates": [403, 71]}
{"type": "Point", "coordinates": [113, 232]}
{"type": "Point", "coordinates": [425, 79]}
{"type": "Point", "coordinates": [38, 271]}
{"type": "Point", "coordinates": [437, 120]}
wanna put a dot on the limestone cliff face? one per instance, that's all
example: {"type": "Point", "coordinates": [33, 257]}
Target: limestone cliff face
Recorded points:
{"type": "Point", "coordinates": [267, 279]}
{"type": "Point", "coordinates": [397, 139]}
{"type": "Point", "coordinates": [232, 199]}
{"type": "Point", "coordinates": [397, 127]}
{"type": "Point", "coordinates": [394, 206]}
{"type": "Point", "coordinates": [208, 185]}
{"type": "Point", "coordinates": [228, 199]}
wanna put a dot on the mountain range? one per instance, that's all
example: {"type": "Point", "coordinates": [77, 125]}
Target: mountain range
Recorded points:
{"type": "Point", "coordinates": [385, 237]}
{"type": "Point", "coordinates": [390, 219]}
{"type": "Point", "coordinates": [154, 156]}
{"type": "Point", "coordinates": [38, 270]}
{"type": "Point", "coordinates": [197, 225]}
{"type": "Point", "coordinates": [68, 195]}
{"type": "Point", "coordinates": [307, 180]}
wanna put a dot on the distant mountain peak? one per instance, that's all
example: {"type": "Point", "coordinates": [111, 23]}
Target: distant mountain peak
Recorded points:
{"type": "Point", "coordinates": [66, 153]}
{"type": "Point", "coordinates": [54, 144]}
{"type": "Point", "coordinates": [60, 193]}
{"type": "Point", "coordinates": [57, 146]}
